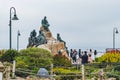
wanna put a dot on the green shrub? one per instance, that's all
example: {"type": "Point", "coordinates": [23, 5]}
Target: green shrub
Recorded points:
{"type": "Point", "coordinates": [9, 55]}
{"type": "Point", "coordinates": [68, 74]}
{"type": "Point", "coordinates": [34, 58]}
{"type": "Point", "coordinates": [61, 60]}
{"type": "Point", "coordinates": [110, 57]}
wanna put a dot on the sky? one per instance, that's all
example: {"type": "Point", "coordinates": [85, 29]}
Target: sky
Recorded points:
{"type": "Point", "coordinates": [82, 24]}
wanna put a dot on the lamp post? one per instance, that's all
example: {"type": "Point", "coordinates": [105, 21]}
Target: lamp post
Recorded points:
{"type": "Point", "coordinates": [18, 34]}
{"type": "Point", "coordinates": [115, 31]}
{"type": "Point", "coordinates": [10, 23]}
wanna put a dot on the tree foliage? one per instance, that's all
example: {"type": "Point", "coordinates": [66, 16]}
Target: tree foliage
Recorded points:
{"type": "Point", "coordinates": [9, 55]}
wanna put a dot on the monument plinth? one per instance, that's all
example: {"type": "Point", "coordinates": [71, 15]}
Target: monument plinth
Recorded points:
{"type": "Point", "coordinates": [46, 33]}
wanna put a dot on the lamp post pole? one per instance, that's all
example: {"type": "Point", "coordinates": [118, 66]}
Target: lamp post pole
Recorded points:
{"type": "Point", "coordinates": [10, 24]}
{"type": "Point", "coordinates": [115, 30]}
{"type": "Point", "coordinates": [18, 34]}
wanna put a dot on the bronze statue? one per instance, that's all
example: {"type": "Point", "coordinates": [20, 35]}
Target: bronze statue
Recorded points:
{"type": "Point", "coordinates": [36, 41]}
{"type": "Point", "coordinates": [32, 39]}
{"type": "Point", "coordinates": [59, 39]}
{"type": "Point", "coordinates": [41, 38]}
{"type": "Point", "coordinates": [45, 23]}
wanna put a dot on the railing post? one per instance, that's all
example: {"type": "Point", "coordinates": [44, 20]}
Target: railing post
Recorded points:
{"type": "Point", "coordinates": [1, 71]}
{"type": "Point", "coordinates": [8, 73]}
{"type": "Point", "coordinates": [51, 72]}
{"type": "Point", "coordinates": [13, 70]}
{"type": "Point", "coordinates": [83, 72]}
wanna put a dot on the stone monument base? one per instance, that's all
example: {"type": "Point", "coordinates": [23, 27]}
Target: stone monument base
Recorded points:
{"type": "Point", "coordinates": [54, 47]}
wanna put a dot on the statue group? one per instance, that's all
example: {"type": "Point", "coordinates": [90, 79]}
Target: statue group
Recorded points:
{"type": "Point", "coordinates": [40, 39]}
{"type": "Point", "coordinates": [45, 39]}
{"type": "Point", "coordinates": [36, 41]}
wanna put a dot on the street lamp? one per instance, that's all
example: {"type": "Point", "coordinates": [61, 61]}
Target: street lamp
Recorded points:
{"type": "Point", "coordinates": [10, 23]}
{"type": "Point", "coordinates": [18, 34]}
{"type": "Point", "coordinates": [115, 31]}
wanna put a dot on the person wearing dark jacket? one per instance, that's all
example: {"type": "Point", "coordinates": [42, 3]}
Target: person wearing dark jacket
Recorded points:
{"type": "Point", "coordinates": [85, 58]}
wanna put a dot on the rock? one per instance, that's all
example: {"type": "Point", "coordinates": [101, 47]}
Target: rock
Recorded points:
{"type": "Point", "coordinates": [47, 34]}
{"type": "Point", "coordinates": [52, 44]}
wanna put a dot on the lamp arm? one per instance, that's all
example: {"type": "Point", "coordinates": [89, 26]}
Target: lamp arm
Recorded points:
{"type": "Point", "coordinates": [11, 11]}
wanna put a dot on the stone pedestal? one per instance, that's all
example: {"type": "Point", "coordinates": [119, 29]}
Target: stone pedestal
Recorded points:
{"type": "Point", "coordinates": [52, 44]}
{"type": "Point", "coordinates": [54, 47]}
{"type": "Point", "coordinates": [46, 33]}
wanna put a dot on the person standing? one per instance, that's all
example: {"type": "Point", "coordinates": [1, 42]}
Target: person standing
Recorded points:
{"type": "Point", "coordinates": [71, 52]}
{"type": "Point", "coordinates": [74, 55]}
{"type": "Point", "coordinates": [85, 58]}
{"type": "Point", "coordinates": [90, 52]}
{"type": "Point", "coordinates": [79, 53]}
{"type": "Point", "coordinates": [89, 58]}
{"type": "Point", "coordinates": [95, 53]}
